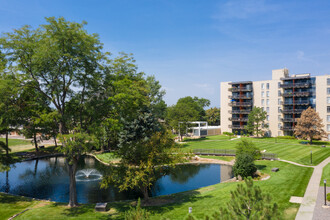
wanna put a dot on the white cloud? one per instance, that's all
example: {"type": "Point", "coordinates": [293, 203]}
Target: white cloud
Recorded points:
{"type": "Point", "coordinates": [242, 9]}
{"type": "Point", "coordinates": [206, 88]}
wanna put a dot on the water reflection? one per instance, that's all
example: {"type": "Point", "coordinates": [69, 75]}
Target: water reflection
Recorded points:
{"type": "Point", "coordinates": [48, 179]}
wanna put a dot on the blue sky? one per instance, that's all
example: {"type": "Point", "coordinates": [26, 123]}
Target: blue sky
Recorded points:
{"type": "Point", "coordinates": [193, 45]}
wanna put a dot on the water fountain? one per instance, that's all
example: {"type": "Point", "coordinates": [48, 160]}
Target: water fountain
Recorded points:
{"type": "Point", "coordinates": [88, 175]}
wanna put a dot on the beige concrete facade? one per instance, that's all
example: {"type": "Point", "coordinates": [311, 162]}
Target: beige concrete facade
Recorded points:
{"type": "Point", "coordinates": [322, 100]}
{"type": "Point", "coordinates": [224, 116]}
{"type": "Point", "coordinates": [268, 95]}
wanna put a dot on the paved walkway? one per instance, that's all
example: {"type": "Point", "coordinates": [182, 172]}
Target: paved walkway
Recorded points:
{"type": "Point", "coordinates": [294, 163]}
{"type": "Point", "coordinates": [306, 209]}
{"type": "Point", "coordinates": [319, 212]}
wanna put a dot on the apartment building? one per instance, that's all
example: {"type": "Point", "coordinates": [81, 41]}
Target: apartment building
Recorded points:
{"type": "Point", "coordinates": [284, 97]}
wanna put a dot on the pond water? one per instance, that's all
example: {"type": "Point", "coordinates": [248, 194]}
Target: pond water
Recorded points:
{"type": "Point", "coordinates": [48, 179]}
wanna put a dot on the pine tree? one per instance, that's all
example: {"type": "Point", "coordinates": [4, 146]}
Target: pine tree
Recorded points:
{"type": "Point", "coordinates": [309, 126]}
{"type": "Point", "coordinates": [249, 202]}
{"type": "Point", "coordinates": [256, 121]}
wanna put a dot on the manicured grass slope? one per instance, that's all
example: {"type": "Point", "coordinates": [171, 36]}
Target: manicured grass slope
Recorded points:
{"type": "Point", "coordinates": [285, 149]}
{"type": "Point", "coordinates": [326, 175]}
{"type": "Point", "coordinates": [291, 180]}
{"type": "Point", "coordinates": [16, 142]}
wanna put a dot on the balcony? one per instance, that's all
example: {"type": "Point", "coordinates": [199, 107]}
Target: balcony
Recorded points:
{"type": "Point", "coordinates": [296, 85]}
{"type": "Point", "coordinates": [238, 104]}
{"type": "Point", "coordinates": [239, 97]}
{"type": "Point", "coordinates": [289, 119]}
{"type": "Point", "coordinates": [287, 128]}
{"type": "Point", "coordinates": [238, 119]}
{"type": "Point", "coordinates": [292, 111]}
{"type": "Point", "coordinates": [240, 89]}
{"type": "Point", "coordinates": [239, 111]}
{"type": "Point", "coordinates": [305, 102]}
{"type": "Point", "coordinates": [298, 94]}
{"type": "Point", "coordinates": [236, 127]}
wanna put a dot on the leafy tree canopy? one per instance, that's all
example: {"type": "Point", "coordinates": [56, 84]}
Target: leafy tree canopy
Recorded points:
{"type": "Point", "coordinates": [309, 126]}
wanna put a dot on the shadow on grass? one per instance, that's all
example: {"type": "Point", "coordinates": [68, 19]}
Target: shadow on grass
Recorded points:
{"type": "Point", "coordinates": [5, 198]}
{"type": "Point", "coordinates": [261, 167]}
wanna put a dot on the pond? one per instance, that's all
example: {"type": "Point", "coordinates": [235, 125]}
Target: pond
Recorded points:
{"type": "Point", "coordinates": [48, 179]}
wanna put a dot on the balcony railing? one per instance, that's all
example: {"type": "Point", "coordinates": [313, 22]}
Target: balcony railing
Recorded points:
{"type": "Point", "coordinates": [289, 119]}
{"type": "Point", "coordinates": [305, 102]}
{"type": "Point", "coordinates": [238, 119]}
{"type": "Point", "coordinates": [239, 111]}
{"type": "Point", "coordinates": [240, 89]}
{"type": "Point", "coordinates": [292, 111]}
{"type": "Point", "coordinates": [240, 104]}
{"type": "Point", "coordinates": [236, 127]}
{"type": "Point", "coordinates": [295, 85]}
{"type": "Point", "coordinates": [299, 94]}
{"type": "Point", "coordinates": [287, 128]}
{"type": "Point", "coordinates": [239, 97]}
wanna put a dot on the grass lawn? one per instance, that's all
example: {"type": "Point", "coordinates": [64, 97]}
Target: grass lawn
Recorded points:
{"type": "Point", "coordinates": [291, 180]}
{"type": "Point", "coordinates": [225, 158]}
{"type": "Point", "coordinates": [285, 148]}
{"type": "Point", "coordinates": [326, 175]}
{"type": "Point", "coordinates": [107, 157]}
{"type": "Point", "coordinates": [18, 144]}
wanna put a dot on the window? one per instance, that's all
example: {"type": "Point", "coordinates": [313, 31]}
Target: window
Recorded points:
{"type": "Point", "coordinates": [267, 117]}
{"type": "Point", "coordinates": [328, 127]}
{"type": "Point", "coordinates": [279, 85]}
{"type": "Point", "coordinates": [279, 101]}
{"type": "Point", "coordinates": [328, 100]}
{"type": "Point", "coordinates": [279, 133]}
{"type": "Point", "coordinates": [267, 102]}
{"type": "Point", "coordinates": [279, 93]}
{"type": "Point", "coordinates": [328, 137]}
{"type": "Point", "coordinates": [328, 81]}
{"type": "Point", "coordinates": [262, 85]}
{"type": "Point", "coordinates": [279, 109]}
{"type": "Point", "coordinates": [328, 109]}
{"type": "Point", "coordinates": [279, 125]}
{"type": "Point", "coordinates": [328, 91]}
{"type": "Point", "coordinates": [279, 117]}
{"type": "Point", "coordinates": [263, 109]}
{"type": "Point", "coordinates": [267, 109]}
{"type": "Point", "coordinates": [262, 94]}
{"type": "Point", "coordinates": [262, 101]}
{"type": "Point", "coordinates": [267, 86]}
{"type": "Point", "coordinates": [328, 118]}
{"type": "Point", "coordinates": [267, 93]}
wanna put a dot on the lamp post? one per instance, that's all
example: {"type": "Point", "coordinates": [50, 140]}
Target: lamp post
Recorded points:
{"type": "Point", "coordinates": [311, 157]}
{"type": "Point", "coordinates": [325, 191]}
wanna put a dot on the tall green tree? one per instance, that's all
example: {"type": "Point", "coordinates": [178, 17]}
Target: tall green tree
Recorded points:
{"type": "Point", "coordinates": [145, 146]}
{"type": "Point", "coordinates": [213, 116]}
{"type": "Point", "coordinates": [9, 106]}
{"type": "Point", "coordinates": [75, 144]}
{"type": "Point", "coordinates": [187, 109]}
{"type": "Point", "coordinates": [256, 121]}
{"type": "Point", "coordinates": [59, 60]}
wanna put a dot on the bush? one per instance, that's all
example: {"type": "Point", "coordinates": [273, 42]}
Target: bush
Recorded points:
{"type": "Point", "coordinates": [244, 166]}
{"type": "Point", "coordinates": [228, 133]}
{"type": "Point", "coordinates": [247, 147]}
{"type": "Point", "coordinates": [328, 196]}
{"type": "Point", "coordinates": [137, 214]}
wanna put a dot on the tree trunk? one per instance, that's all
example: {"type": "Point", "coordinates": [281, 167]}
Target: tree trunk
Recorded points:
{"type": "Point", "coordinates": [310, 140]}
{"type": "Point", "coordinates": [35, 141]}
{"type": "Point", "coordinates": [7, 147]}
{"type": "Point", "coordinates": [145, 193]}
{"type": "Point", "coordinates": [73, 192]}
{"type": "Point", "coordinates": [55, 141]}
